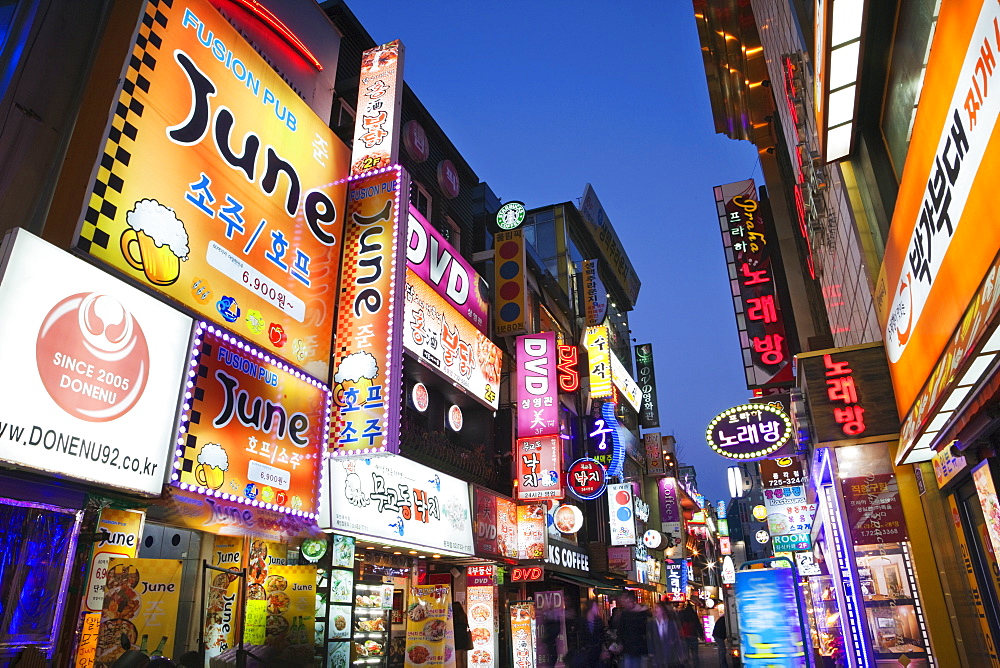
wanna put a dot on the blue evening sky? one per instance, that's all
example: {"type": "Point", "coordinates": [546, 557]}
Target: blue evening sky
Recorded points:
{"type": "Point", "coordinates": [545, 96]}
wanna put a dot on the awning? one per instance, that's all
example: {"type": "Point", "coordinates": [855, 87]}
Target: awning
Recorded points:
{"type": "Point", "coordinates": [585, 582]}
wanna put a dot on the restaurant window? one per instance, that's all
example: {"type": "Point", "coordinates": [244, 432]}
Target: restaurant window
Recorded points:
{"type": "Point", "coordinates": [37, 547]}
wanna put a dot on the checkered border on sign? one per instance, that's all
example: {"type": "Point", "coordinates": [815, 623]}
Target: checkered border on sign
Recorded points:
{"type": "Point", "coordinates": [119, 146]}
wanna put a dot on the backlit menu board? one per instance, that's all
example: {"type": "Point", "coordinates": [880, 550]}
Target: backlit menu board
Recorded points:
{"type": "Point", "coordinates": [218, 186]}
{"type": "Point", "coordinates": [253, 428]}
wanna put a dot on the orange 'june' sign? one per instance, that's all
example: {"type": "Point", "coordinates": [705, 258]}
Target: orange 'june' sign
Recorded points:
{"type": "Point", "coordinates": [219, 187]}
{"type": "Point", "coordinates": [253, 430]}
{"type": "Point", "coordinates": [368, 358]}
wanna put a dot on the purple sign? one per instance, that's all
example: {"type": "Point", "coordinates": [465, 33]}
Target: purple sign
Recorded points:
{"type": "Point", "coordinates": [434, 260]}
{"type": "Point", "coordinates": [537, 390]}
{"type": "Point", "coordinates": [670, 510]}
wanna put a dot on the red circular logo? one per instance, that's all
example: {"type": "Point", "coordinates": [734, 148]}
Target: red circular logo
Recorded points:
{"type": "Point", "coordinates": [92, 357]}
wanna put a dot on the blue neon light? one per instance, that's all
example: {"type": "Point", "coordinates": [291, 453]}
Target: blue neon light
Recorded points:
{"type": "Point", "coordinates": [618, 454]}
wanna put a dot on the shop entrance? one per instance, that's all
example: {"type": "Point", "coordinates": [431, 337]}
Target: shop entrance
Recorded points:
{"type": "Point", "coordinates": [984, 561]}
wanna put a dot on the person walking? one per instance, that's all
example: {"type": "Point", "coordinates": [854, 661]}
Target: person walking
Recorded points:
{"type": "Point", "coordinates": [690, 631]}
{"type": "Point", "coordinates": [632, 631]}
{"type": "Point", "coordinates": [663, 635]}
{"type": "Point", "coordinates": [591, 653]}
{"type": "Point", "coordinates": [720, 632]}
{"type": "Point", "coordinates": [463, 635]}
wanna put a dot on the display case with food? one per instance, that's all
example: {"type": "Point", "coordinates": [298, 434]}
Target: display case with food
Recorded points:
{"type": "Point", "coordinates": [370, 639]}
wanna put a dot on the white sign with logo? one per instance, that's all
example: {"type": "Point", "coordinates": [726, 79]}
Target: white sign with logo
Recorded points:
{"type": "Point", "coordinates": [621, 514]}
{"type": "Point", "coordinates": [399, 500]}
{"type": "Point", "coordinates": [93, 368]}
{"type": "Point", "coordinates": [805, 564]}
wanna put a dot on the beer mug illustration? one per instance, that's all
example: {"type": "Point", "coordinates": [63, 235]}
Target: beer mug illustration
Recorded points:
{"type": "Point", "coordinates": [355, 376]}
{"type": "Point", "coordinates": [155, 242]}
{"type": "Point", "coordinates": [213, 462]}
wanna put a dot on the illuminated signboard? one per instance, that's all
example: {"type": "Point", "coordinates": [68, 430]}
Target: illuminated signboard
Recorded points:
{"type": "Point", "coordinates": [947, 465]}
{"type": "Point", "coordinates": [511, 215]}
{"type": "Point", "coordinates": [94, 369]}
{"type": "Point", "coordinates": [675, 578]}
{"type": "Point", "coordinates": [768, 638]}
{"type": "Point", "coordinates": [653, 443]}
{"type": "Point", "coordinates": [398, 500]}
{"type": "Point", "coordinates": [441, 339]}
{"type": "Point", "coordinates": [621, 514]}
{"type": "Point", "coordinates": [791, 542]}
{"type": "Point", "coordinates": [788, 510]}
{"type": "Point", "coordinates": [368, 360]}
{"type": "Point", "coordinates": [439, 265]}
{"type": "Point", "coordinates": [567, 370]}
{"type": "Point", "coordinates": [537, 392]}
{"type": "Point", "coordinates": [649, 415]}
{"type": "Point", "coordinates": [623, 381]}
{"type": "Point", "coordinates": [936, 252]}
{"type": "Point", "coordinates": [527, 573]}
{"type": "Point", "coordinates": [586, 479]}
{"type": "Point", "coordinates": [746, 240]}
{"type": "Point", "coordinates": [253, 429]}
{"type": "Point", "coordinates": [782, 472]}
{"type": "Point", "coordinates": [607, 239]}
{"type": "Point", "coordinates": [380, 100]}
{"type": "Point", "coordinates": [749, 431]}
{"type": "Point", "coordinates": [494, 524]}
{"type": "Point", "coordinates": [510, 297]}
{"type": "Point", "coordinates": [849, 394]}
{"type": "Point", "coordinates": [670, 510]}
{"type": "Point", "coordinates": [531, 533]}
{"type": "Point", "coordinates": [595, 295]}
{"type": "Point", "coordinates": [539, 467]}
{"type": "Point", "coordinates": [481, 576]}
{"type": "Point", "coordinates": [605, 441]}
{"type": "Point", "coordinates": [598, 347]}
{"type": "Point", "coordinates": [219, 187]}
{"type": "Point", "coordinates": [728, 570]}
{"type": "Point", "coordinates": [725, 545]}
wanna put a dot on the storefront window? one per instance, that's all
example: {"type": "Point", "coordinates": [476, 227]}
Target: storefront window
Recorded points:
{"type": "Point", "coordinates": [36, 547]}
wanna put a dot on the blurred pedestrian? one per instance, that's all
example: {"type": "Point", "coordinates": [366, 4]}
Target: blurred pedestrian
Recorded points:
{"type": "Point", "coordinates": [591, 652]}
{"type": "Point", "coordinates": [632, 631]}
{"type": "Point", "coordinates": [463, 636]}
{"type": "Point", "coordinates": [691, 631]}
{"type": "Point", "coordinates": [720, 632]}
{"type": "Point", "coordinates": [663, 635]}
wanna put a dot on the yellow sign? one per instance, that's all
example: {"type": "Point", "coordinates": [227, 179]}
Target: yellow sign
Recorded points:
{"type": "Point", "coordinates": [87, 649]}
{"type": "Point", "coordinates": [430, 632]}
{"type": "Point", "coordinates": [291, 606]}
{"type": "Point", "coordinates": [219, 187]}
{"type": "Point", "coordinates": [120, 532]}
{"type": "Point", "coordinates": [222, 591]}
{"type": "Point", "coordinates": [140, 603]}
{"type": "Point", "coordinates": [510, 301]}
{"type": "Point", "coordinates": [938, 251]}
{"type": "Point", "coordinates": [598, 345]}
{"type": "Point", "coordinates": [368, 362]}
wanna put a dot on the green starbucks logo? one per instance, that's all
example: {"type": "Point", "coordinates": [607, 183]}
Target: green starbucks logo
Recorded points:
{"type": "Point", "coordinates": [510, 215]}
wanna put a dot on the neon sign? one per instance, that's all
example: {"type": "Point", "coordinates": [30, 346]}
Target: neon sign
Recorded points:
{"type": "Point", "coordinates": [527, 573]}
{"type": "Point", "coordinates": [749, 431]}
